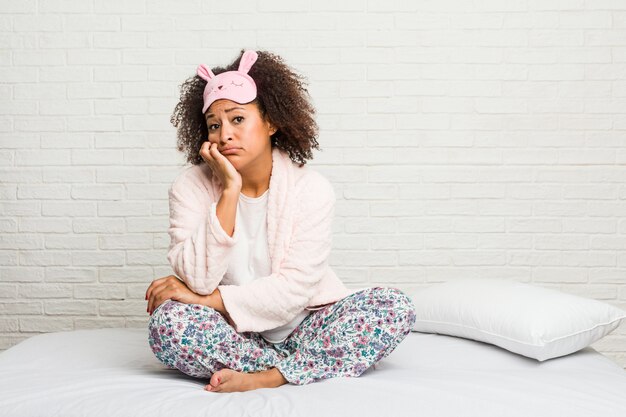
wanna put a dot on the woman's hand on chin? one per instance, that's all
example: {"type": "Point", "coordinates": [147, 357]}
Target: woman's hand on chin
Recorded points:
{"type": "Point", "coordinates": [221, 167]}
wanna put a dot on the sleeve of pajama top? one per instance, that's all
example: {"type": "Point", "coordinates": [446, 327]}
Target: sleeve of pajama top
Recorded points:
{"type": "Point", "coordinates": [200, 250]}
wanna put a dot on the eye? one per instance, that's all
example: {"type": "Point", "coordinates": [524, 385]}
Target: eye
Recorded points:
{"type": "Point", "coordinates": [213, 127]}
{"type": "Point", "coordinates": [239, 117]}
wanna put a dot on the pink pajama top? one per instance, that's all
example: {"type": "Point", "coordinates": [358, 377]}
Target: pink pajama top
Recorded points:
{"type": "Point", "coordinates": [300, 210]}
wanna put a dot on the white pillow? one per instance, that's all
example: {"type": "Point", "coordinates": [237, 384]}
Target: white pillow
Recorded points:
{"type": "Point", "coordinates": [533, 321]}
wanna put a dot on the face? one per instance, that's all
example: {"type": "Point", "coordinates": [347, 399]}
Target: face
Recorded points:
{"type": "Point", "coordinates": [242, 127]}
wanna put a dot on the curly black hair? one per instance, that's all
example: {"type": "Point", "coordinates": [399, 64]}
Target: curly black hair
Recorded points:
{"type": "Point", "coordinates": [282, 98]}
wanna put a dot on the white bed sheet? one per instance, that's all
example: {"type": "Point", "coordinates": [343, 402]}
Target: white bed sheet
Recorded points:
{"type": "Point", "coordinates": [112, 372]}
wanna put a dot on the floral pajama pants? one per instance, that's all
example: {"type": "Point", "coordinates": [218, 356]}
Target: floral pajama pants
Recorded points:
{"type": "Point", "coordinates": [342, 339]}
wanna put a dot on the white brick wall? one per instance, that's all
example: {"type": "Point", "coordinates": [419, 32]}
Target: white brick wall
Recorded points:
{"type": "Point", "coordinates": [464, 139]}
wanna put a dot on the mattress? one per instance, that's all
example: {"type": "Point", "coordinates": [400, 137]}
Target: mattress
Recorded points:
{"type": "Point", "coordinates": [112, 372]}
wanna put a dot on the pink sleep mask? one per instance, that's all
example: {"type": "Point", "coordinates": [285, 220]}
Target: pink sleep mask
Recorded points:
{"type": "Point", "coordinates": [237, 86]}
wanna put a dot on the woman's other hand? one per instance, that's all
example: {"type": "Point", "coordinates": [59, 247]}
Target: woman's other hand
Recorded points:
{"type": "Point", "coordinates": [221, 166]}
{"type": "Point", "coordinates": [171, 288]}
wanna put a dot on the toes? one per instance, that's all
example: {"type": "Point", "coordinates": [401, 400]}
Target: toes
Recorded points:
{"type": "Point", "coordinates": [211, 388]}
{"type": "Point", "coordinates": [216, 380]}
{"type": "Point", "coordinates": [226, 380]}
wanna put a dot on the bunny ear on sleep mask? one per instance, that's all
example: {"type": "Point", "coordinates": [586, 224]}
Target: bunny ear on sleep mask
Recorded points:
{"type": "Point", "coordinates": [205, 72]}
{"type": "Point", "coordinates": [247, 60]}
{"type": "Point", "coordinates": [237, 86]}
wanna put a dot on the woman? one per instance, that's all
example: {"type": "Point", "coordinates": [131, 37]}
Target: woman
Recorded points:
{"type": "Point", "coordinates": [255, 303]}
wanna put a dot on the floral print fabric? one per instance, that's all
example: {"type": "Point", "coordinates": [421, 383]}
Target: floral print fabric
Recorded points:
{"type": "Point", "coordinates": [342, 339]}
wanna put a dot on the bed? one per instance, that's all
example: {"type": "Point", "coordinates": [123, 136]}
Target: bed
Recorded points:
{"type": "Point", "coordinates": [112, 372]}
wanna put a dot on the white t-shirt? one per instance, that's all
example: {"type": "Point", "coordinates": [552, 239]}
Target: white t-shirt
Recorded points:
{"type": "Point", "coordinates": [251, 257]}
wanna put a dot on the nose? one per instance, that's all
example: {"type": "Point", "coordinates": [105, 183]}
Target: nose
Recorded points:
{"type": "Point", "coordinates": [225, 133]}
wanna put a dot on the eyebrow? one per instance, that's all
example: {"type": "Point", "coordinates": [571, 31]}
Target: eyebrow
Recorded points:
{"type": "Point", "coordinates": [208, 116]}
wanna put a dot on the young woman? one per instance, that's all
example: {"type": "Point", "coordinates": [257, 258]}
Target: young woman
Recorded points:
{"type": "Point", "coordinates": [254, 302]}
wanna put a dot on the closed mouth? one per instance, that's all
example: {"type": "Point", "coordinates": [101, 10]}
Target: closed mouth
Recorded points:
{"type": "Point", "coordinates": [230, 150]}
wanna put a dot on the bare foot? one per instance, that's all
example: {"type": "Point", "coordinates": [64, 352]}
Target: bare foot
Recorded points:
{"type": "Point", "coordinates": [227, 380]}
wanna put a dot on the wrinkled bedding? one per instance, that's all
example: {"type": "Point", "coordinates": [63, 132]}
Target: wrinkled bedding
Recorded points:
{"type": "Point", "coordinates": [112, 372]}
